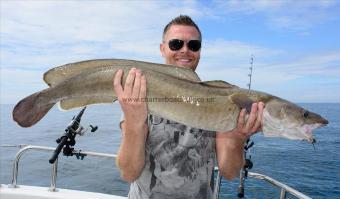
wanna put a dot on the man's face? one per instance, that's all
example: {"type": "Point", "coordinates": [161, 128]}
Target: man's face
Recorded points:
{"type": "Point", "coordinates": [182, 57]}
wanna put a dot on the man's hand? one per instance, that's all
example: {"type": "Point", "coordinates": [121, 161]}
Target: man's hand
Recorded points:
{"type": "Point", "coordinates": [132, 97]}
{"type": "Point", "coordinates": [247, 127]}
{"type": "Point", "coordinates": [131, 160]}
{"type": "Point", "coordinates": [229, 145]}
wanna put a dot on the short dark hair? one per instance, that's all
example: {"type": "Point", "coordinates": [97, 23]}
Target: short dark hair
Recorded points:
{"type": "Point", "coordinates": [181, 20]}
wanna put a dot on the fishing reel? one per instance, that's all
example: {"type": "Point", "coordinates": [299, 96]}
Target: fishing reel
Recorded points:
{"type": "Point", "coordinates": [67, 141]}
{"type": "Point", "coordinates": [247, 165]}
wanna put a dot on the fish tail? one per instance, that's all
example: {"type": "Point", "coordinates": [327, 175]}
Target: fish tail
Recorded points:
{"type": "Point", "coordinates": [28, 111]}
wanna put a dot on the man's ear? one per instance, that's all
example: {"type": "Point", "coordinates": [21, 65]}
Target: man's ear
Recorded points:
{"type": "Point", "coordinates": [161, 48]}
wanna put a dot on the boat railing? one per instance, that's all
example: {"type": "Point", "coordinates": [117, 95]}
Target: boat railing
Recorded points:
{"type": "Point", "coordinates": [24, 148]}
{"type": "Point", "coordinates": [284, 188]}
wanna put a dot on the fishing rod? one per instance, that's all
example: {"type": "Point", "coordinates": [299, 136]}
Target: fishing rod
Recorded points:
{"type": "Point", "coordinates": [248, 163]}
{"type": "Point", "coordinates": [67, 141]}
{"type": "Point", "coordinates": [251, 71]}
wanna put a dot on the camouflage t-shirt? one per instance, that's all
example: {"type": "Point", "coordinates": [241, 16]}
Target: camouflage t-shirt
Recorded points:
{"type": "Point", "coordinates": [179, 162]}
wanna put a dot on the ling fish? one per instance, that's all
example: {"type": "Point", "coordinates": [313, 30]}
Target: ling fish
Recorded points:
{"type": "Point", "coordinates": [175, 93]}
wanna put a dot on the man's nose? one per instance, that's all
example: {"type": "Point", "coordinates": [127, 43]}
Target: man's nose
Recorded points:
{"type": "Point", "coordinates": [185, 48]}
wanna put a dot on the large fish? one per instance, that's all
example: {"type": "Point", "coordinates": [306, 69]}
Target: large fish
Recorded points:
{"type": "Point", "coordinates": [174, 93]}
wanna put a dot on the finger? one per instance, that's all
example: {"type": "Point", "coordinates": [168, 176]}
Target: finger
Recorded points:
{"type": "Point", "coordinates": [142, 93]}
{"type": "Point", "coordinates": [252, 117]}
{"type": "Point", "coordinates": [258, 123]}
{"type": "Point", "coordinates": [129, 82]}
{"type": "Point", "coordinates": [117, 85]}
{"type": "Point", "coordinates": [136, 85]}
{"type": "Point", "coordinates": [240, 121]}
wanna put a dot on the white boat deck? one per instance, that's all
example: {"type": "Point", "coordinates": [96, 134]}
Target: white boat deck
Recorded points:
{"type": "Point", "coordinates": [30, 192]}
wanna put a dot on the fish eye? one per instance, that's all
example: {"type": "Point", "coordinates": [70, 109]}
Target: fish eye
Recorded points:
{"type": "Point", "coordinates": [305, 114]}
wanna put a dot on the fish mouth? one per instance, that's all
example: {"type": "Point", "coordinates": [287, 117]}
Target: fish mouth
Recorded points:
{"type": "Point", "coordinates": [322, 122]}
{"type": "Point", "coordinates": [311, 140]}
{"type": "Point", "coordinates": [308, 129]}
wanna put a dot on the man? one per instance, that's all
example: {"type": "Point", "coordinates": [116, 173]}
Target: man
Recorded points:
{"type": "Point", "coordinates": [164, 159]}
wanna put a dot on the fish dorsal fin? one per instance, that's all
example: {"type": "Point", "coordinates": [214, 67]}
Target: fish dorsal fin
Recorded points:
{"type": "Point", "coordinates": [218, 83]}
{"type": "Point", "coordinates": [242, 101]}
{"type": "Point", "coordinates": [67, 104]}
{"type": "Point", "coordinates": [61, 73]}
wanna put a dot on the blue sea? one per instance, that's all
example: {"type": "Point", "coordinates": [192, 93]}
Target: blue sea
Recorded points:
{"type": "Point", "coordinates": [296, 163]}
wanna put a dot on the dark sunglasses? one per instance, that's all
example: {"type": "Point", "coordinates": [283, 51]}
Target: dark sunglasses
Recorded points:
{"type": "Point", "coordinates": [177, 44]}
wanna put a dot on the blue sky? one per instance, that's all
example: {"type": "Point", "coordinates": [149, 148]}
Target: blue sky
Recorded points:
{"type": "Point", "coordinates": [296, 44]}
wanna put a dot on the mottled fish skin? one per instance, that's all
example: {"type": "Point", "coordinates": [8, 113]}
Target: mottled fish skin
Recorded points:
{"type": "Point", "coordinates": [60, 73]}
{"type": "Point", "coordinates": [213, 105]}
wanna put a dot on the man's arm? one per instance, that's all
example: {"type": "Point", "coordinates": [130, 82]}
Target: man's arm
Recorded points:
{"type": "Point", "coordinates": [131, 154]}
{"type": "Point", "coordinates": [229, 145]}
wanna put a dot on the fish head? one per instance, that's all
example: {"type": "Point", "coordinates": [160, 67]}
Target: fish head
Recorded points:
{"type": "Point", "coordinates": [285, 119]}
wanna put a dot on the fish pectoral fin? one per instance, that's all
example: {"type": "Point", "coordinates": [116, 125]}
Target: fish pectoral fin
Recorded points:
{"type": "Point", "coordinates": [218, 83]}
{"type": "Point", "coordinates": [67, 104]}
{"type": "Point", "coordinates": [242, 101]}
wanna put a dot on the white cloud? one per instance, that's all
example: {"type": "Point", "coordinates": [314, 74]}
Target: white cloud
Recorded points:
{"type": "Point", "coordinates": [230, 51]}
{"type": "Point", "coordinates": [67, 30]}
{"type": "Point", "coordinates": [323, 64]}
{"type": "Point", "coordinates": [230, 60]}
{"type": "Point", "coordinates": [17, 84]}
{"type": "Point", "coordinates": [38, 35]}
{"type": "Point", "coordinates": [313, 74]}
{"type": "Point", "coordinates": [289, 14]}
